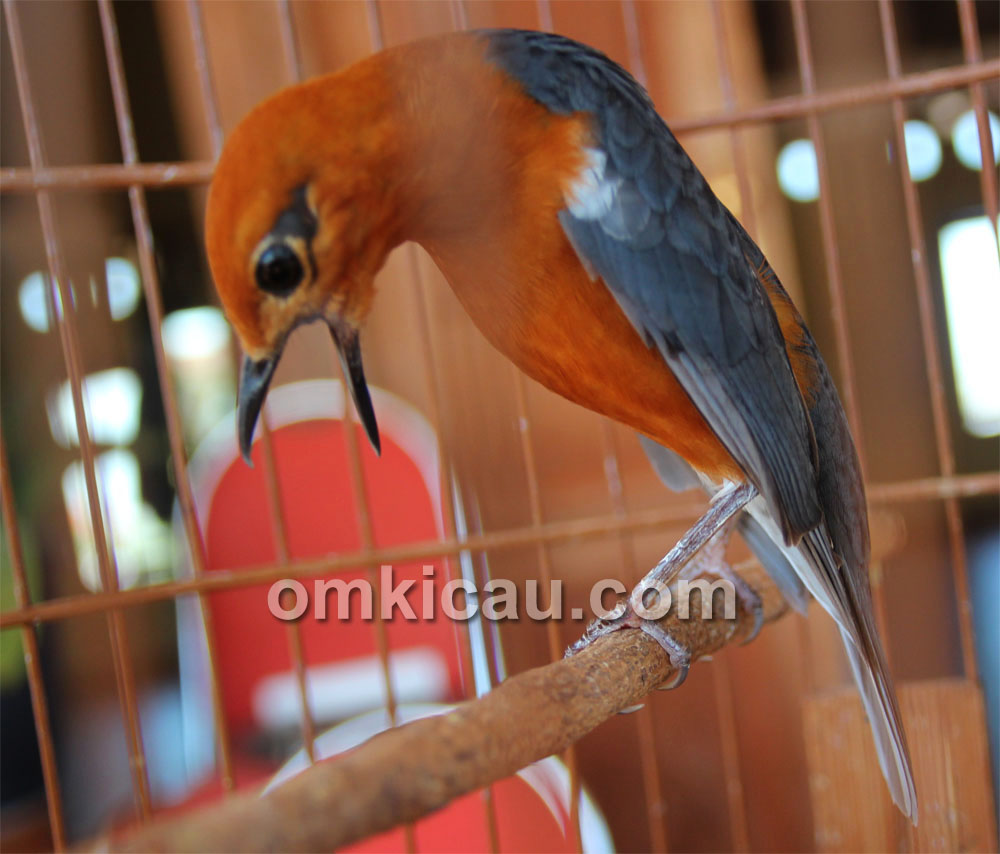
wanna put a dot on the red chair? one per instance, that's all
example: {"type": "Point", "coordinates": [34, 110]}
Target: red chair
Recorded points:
{"type": "Point", "coordinates": [260, 697]}
{"type": "Point", "coordinates": [259, 693]}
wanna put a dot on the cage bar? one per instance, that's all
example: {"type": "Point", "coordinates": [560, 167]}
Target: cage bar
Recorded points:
{"type": "Point", "coordinates": [651, 787]}
{"type": "Point", "coordinates": [289, 45]}
{"type": "Point", "coordinates": [633, 42]}
{"type": "Point", "coordinates": [433, 390]}
{"type": "Point", "coordinates": [835, 287]}
{"type": "Point", "coordinates": [722, 684]}
{"type": "Point", "coordinates": [66, 321]}
{"type": "Point", "coordinates": [209, 100]}
{"type": "Point", "coordinates": [293, 630]}
{"type": "Point", "coordinates": [974, 53]}
{"type": "Point", "coordinates": [32, 660]}
{"type": "Point", "coordinates": [103, 176]}
{"type": "Point", "coordinates": [932, 359]}
{"type": "Point", "coordinates": [835, 283]}
{"type": "Point", "coordinates": [151, 287]}
{"type": "Point", "coordinates": [924, 489]}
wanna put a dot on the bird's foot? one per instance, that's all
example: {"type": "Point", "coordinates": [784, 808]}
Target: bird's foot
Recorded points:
{"type": "Point", "coordinates": [680, 655]}
{"type": "Point", "coordinates": [703, 546]}
{"type": "Point", "coordinates": [711, 560]}
{"type": "Point", "coordinates": [749, 599]}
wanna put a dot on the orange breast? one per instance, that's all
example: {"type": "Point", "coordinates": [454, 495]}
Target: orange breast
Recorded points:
{"type": "Point", "coordinates": [520, 280]}
{"type": "Point", "coordinates": [568, 333]}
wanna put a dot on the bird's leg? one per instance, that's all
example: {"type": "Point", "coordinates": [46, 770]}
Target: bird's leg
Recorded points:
{"type": "Point", "coordinates": [725, 505]}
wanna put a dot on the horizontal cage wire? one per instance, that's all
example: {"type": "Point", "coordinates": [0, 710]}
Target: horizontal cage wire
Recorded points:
{"type": "Point", "coordinates": [618, 520]}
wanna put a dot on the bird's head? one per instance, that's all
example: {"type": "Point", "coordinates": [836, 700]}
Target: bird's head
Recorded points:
{"type": "Point", "coordinates": [300, 217]}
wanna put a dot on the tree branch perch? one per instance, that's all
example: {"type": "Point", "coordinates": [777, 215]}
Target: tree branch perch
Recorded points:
{"type": "Point", "coordinates": [407, 772]}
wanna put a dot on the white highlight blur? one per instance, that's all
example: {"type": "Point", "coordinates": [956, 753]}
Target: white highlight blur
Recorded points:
{"type": "Point", "coordinates": [970, 269]}
{"type": "Point", "coordinates": [923, 149]}
{"type": "Point", "coordinates": [112, 402]}
{"type": "Point", "coordinates": [123, 287]}
{"type": "Point", "coordinates": [798, 173]}
{"type": "Point", "coordinates": [123, 292]}
{"type": "Point", "coordinates": [140, 540]}
{"type": "Point", "coordinates": [197, 342]}
{"type": "Point", "coordinates": [965, 139]}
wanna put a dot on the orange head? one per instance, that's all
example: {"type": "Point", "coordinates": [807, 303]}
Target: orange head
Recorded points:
{"type": "Point", "coordinates": [318, 183]}
{"type": "Point", "coordinates": [301, 215]}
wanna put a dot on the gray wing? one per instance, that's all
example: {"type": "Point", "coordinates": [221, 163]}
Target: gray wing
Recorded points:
{"type": "Point", "coordinates": [646, 222]}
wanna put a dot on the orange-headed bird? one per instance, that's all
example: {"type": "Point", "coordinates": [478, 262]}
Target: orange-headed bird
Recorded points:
{"type": "Point", "coordinates": [589, 249]}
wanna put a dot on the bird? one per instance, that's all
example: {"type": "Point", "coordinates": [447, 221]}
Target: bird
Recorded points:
{"type": "Point", "coordinates": [584, 243]}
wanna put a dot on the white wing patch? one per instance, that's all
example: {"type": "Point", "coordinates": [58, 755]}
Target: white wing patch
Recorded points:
{"type": "Point", "coordinates": [592, 195]}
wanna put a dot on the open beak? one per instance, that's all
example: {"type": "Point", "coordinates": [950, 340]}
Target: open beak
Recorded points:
{"type": "Point", "coordinates": [255, 377]}
{"type": "Point", "coordinates": [349, 347]}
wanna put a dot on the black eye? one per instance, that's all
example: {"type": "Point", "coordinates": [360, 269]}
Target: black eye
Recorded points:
{"type": "Point", "coordinates": [279, 269]}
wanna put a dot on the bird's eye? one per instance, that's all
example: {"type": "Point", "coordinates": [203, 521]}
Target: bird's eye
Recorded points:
{"type": "Point", "coordinates": [279, 269]}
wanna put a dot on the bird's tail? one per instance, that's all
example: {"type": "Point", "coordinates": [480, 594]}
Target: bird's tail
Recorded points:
{"type": "Point", "coordinates": [871, 673]}
{"type": "Point", "coordinates": [813, 565]}
{"type": "Point", "coordinates": [846, 597]}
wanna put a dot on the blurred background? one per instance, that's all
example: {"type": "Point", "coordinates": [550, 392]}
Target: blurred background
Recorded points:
{"type": "Point", "coordinates": [165, 701]}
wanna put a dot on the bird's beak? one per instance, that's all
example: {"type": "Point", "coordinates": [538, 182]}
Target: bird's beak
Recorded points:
{"type": "Point", "coordinates": [255, 377]}
{"type": "Point", "coordinates": [349, 346]}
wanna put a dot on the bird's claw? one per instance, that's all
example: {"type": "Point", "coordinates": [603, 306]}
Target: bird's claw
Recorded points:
{"type": "Point", "coordinates": [712, 561]}
{"type": "Point", "coordinates": [597, 629]}
{"type": "Point", "coordinates": [680, 655]}
{"type": "Point", "coordinates": [750, 601]}
{"type": "Point", "coordinates": [757, 606]}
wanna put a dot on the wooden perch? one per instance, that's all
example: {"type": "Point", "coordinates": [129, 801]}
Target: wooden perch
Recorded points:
{"type": "Point", "coordinates": [408, 772]}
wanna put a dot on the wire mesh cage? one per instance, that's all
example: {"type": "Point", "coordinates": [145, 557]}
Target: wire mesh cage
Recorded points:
{"type": "Point", "coordinates": [123, 574]}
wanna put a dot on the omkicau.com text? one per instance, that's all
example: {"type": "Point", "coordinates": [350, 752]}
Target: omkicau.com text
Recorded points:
{"type": "Point", "coordinates": [500, 599]}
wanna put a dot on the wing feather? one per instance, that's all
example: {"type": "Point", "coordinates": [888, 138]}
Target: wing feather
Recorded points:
{"type": "Point", "coordinates": [645, 221]}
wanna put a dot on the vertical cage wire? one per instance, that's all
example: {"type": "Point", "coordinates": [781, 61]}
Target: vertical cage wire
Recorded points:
{"type": "Point", "coordinates": [722, 683]}
{"type": "Point", "coordinates": [279, 526]}
{"type": "Point", "coordinates": [151, 287]}
{"type": "Point", "coordinates": [69, 339]}
{"type": "Point", "coordinates": [835, 282]}
{"type": "Point", "coordinates": [656, 806]}
{"type": "Point", "coordinates": [973, 50]}
{"type": "Point", "coordinates": [33, 663]}
{"type": "Point", "coordinates": [656, 812]}
{"type": "Point", "coordinates": [544, 570]}
{"type": "Point", "coordinates": [293, 630]}
{"type": "Point", "coordinates": [361, 501]}
{"type": "Point", "coordinates": [932, 360]}
{"type": "Point", "coordinates": [433, 385]}
{"type": "Point", "coordinates": [460, 21]}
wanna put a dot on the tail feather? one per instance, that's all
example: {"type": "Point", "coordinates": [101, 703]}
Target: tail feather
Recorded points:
{"type": "Point", "coordinates": [813, 565]}
{"type": "Point", "coordinates": [841, 595]}
{"type": "Point", "coordinates": [772, 558]}
{"type": "Point", "coordinates": [879, 700]}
